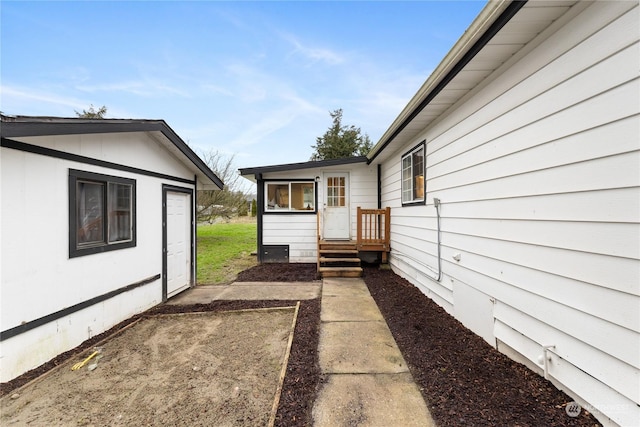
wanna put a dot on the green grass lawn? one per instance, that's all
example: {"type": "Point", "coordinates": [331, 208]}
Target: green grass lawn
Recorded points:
{"type": "Point", "coordinates": [224, 249]}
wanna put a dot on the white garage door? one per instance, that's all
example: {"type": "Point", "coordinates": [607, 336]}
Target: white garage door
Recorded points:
{"type": "Point", "coordinates": [178, 222]}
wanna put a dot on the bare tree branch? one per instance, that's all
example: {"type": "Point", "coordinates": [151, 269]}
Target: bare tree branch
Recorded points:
{"type": "Point", "coordinates": [232, 200]}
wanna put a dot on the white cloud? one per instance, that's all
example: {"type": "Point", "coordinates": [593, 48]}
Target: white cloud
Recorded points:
{"type": "Point", "coordinates": [22, 101]}
{"type": "Point", "coordinates": [315, 54]}
{"type": "Point", "coordinates": [146, 88]}
{"type": "Point", "coordinates": [216, 89]}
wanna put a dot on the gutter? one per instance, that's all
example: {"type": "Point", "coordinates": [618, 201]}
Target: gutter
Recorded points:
{"type": "Point", "coordinates": [480, 32]}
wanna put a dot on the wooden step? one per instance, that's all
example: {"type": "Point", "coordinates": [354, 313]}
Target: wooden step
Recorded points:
{"type": "Point", "coordinates": [338, 253]}
{"type": "Point", "coordinates": [337, 259]}
{"type": "Point", "coordinates": [340, 271]}
{"type": "Point", "coordinates": [337, 245]}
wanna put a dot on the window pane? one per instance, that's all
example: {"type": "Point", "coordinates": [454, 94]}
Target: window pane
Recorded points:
{"type": "Point", "coordinates": [277, 196]}
{"type": "Point", "coordinates": [119, 213]}
{"type": "Point", "coordinates": [89, 212]}
{"type": "Point", "coordinates": [302, 197]}
{"type": "Point", "coordinates": [418, 174]}
{"type": "Point", "coordinates": [336, 187]}
{"type": "Point", "coordinates": [407, 187]}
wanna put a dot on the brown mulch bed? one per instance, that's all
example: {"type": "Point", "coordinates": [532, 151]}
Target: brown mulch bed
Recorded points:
{"type": "Point", "coordinates": [280, 272]}
{"type": "Point", "coordinates": [464, 380]}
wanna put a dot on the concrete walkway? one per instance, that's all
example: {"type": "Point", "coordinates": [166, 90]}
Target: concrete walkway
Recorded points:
{"type": "Point", "coordinates": [367, 382]}
{"type": "Point", "coordinates": [204, 294]}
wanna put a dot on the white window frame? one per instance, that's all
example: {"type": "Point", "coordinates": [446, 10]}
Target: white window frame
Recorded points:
{"type": "Point", "coordinates": [280, 203]}
{"type": "Point", "coordinates": [411, 171]}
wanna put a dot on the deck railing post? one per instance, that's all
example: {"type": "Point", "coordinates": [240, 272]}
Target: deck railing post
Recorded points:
{"type": "Point", "coordinates": [359, 225]}
{"type": "Point", "coordinates": [387, 225]}
{"type": "Point", "coordinates": [374, 230]}
{"type": "Point", "coordinates": [318, 238]}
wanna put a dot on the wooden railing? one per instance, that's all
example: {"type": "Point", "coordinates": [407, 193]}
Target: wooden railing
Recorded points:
{"type": "Point", "coordinates": [374, 230]}
{"type": "Point", "coordinates": [319, 236]}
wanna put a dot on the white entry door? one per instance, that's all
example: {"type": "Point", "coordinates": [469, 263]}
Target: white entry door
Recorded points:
{"type": "Point", "coordinates": [178, 223]}
{"type": "Point", "coordinates": [336, 206]}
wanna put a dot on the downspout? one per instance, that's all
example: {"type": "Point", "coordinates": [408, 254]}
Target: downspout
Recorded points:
{"type": "Point", "coordinates": [194, 234]}
{"type": "Point", "coordinates": [379, 186]}
{"type": "Point", "coordinates": [436, 203]}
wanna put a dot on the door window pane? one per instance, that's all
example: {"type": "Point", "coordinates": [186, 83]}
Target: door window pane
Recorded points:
{"type": "Point", "coordinates": [336, 191]}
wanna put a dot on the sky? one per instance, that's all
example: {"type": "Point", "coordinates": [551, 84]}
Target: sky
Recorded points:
{"type": "Point", "coordinates": [252, 80]}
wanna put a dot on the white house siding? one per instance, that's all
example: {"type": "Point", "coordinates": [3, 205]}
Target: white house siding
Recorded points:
{"type": "Point", "coordinates": [538, 171]}
{"type": "Point", "coordinates": [364, 192]}
{"type": "Point", "coordinates": [299, 231]}
{"type": "Point", "coordinates": [39, 278]}
{"type": "Point", "coordinates": [137, 149]}
{"type": "Point", "coordinates": [296, 230]}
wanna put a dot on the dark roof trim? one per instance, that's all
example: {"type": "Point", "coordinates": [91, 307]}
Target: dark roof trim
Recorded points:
{"type": "Point", "coordinates": [42, 126]}
{"type": "Point", "coordinates": [24, 327]}
{"type": "Point", "coordinates": [500, 22]}
{"type": "Point", "coordinates": [43, 151]}
{"type": "Point", "coordinates": [304, 165]}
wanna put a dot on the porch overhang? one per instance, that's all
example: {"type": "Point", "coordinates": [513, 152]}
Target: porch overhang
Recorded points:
{"type": "Point", "coordinates": [254, 173]}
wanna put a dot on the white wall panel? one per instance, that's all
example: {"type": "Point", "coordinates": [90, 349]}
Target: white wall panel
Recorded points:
{"type": "Point", "coordinates": [538, 171]}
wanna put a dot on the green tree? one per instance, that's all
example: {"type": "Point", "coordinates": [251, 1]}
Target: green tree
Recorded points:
{"type": "Point", "coordinates": [92, 113]}
{"type": "Point", "coordinates": [340, 141]}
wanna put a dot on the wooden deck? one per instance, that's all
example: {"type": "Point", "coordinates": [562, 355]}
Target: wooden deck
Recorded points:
{"type": "Point", "coordinates": [339, 258]}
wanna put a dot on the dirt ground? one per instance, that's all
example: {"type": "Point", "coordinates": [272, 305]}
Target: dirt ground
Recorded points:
{"type": "Point", "coordinates": [464, 380]}
{"type": "Point", "coordinates": [197, 369]}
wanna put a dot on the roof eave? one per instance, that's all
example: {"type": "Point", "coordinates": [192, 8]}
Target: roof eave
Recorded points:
{"type": "Point", "coordinates": [21, 126]}
{"type": "Point", "coordinates": [490, 20]}
{"type": "Point", "coordinates": [251, 172]}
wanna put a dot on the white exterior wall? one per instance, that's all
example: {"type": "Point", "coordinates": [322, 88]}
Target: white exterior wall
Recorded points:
{"type": "Point", "coordinates": [538, 171]}
{"type": "Point", "coordinates": [38, 278]}
{"type": "Point", "coordinates": [299, 230]}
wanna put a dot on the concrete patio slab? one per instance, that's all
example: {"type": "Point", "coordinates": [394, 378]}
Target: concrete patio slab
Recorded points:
{"type": "Point", "coordinates": [205, 294]}
{"type": "Point", "coordinates": [349, 308]}
{"type": "Point", "coordinates": [371, 400]}
{"type": "Point", "coordinates": [359, 348]}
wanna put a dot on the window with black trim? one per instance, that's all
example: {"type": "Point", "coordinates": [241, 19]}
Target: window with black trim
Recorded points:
{"type": "Point", "coordinates": [290, 196]}
{"type": "Point", "coordinates": [101, 213]}
{"type": "Point", "coordinates": [413, 176]}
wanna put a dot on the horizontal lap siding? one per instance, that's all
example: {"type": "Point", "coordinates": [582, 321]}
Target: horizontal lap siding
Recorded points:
{"type": "Point", "coordinates": [297, 231]}
{"type": "Point", "coordinates": [363, 193]}
{"type": "Point", "coordinates": [539, 176]}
